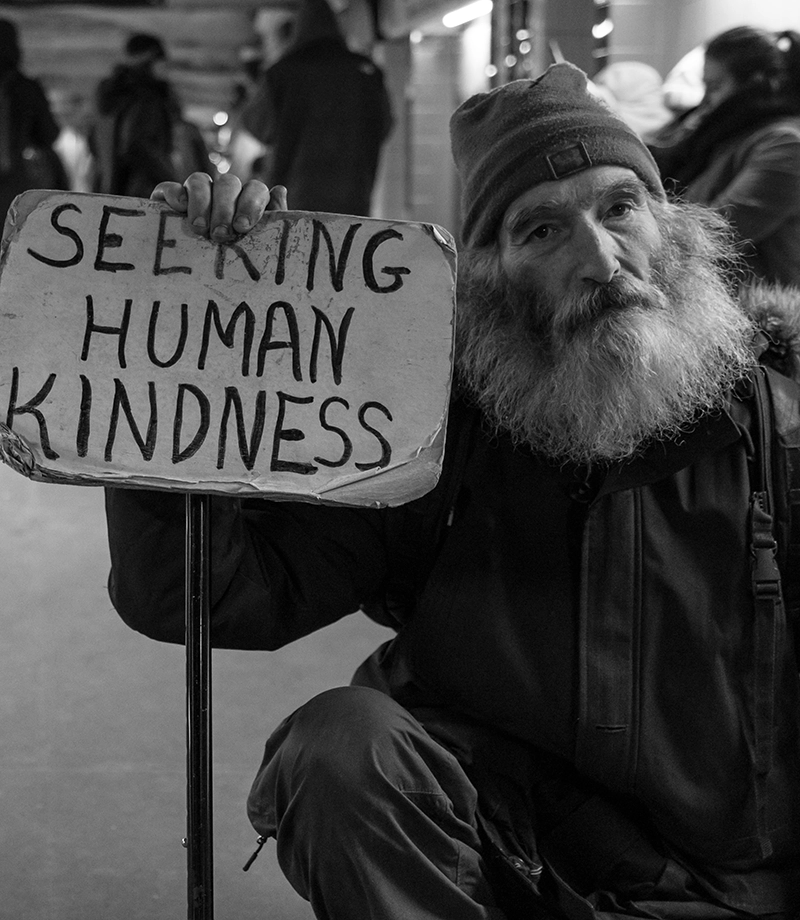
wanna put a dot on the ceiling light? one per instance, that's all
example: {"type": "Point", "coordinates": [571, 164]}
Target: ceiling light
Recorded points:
{"type": "Point", "coordinates": [467, 13]}
{"type": "Point", "coordinates": [603, 29]}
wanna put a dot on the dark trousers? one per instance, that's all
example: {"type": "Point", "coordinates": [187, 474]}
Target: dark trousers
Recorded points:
{"type": "Point", "coordinates": [374, 819]}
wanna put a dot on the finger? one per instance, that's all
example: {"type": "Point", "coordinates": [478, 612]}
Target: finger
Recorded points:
{"type": "Point", "coordinates": [198, 189]}
{"type": "Point", "coordinates": [278, 199]}
{"type": "Point", "coordinates": [223, 206]}
{"type": "Point", "coordinates": [173, 193]}
{"type": "Point", "coordinates": [250, 206]}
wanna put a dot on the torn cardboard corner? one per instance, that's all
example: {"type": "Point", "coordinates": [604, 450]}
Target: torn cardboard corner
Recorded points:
{"type": "Point", "coordinates": [309, 359]}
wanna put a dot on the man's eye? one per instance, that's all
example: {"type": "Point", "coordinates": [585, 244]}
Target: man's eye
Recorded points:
{"type": "Point", "coordinates": [620, 209]}
{"type": "Point", "coordinates": [542, 232]}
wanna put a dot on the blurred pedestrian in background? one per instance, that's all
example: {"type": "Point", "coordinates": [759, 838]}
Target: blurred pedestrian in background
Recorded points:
{"type": "Point", "coordinates": [324, 113]}
{"type": "Point", "coordinates": [132, 138]}
{"type": "Point", "coordinates": [28, 127]}
{"type": "Point", "coordinates": [635, 91]}
{"type": "Point", "coordinates": [741, 154]}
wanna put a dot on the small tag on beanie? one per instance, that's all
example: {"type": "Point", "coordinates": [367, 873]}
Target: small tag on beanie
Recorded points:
{"type": "Point", "coordinates": [570, 160]}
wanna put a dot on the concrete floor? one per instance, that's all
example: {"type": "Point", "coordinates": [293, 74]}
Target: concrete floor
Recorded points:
{"type": "Point", "coordinates": [92, 722]}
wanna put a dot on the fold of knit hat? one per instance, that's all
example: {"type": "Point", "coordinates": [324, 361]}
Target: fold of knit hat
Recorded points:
{"type": "Point", "coordinates": [532, 131]}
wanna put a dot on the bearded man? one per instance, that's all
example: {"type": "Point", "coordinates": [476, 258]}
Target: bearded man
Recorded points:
{"type": "Point", "coordinates": [584, 713]}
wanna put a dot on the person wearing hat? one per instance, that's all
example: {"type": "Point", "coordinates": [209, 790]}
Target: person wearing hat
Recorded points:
{"type": "Point", "coordinates": [131, 139]}
{"type": "Point", "coordinates": [738, 150]}
{"type": "Point", "coordinates": [591, 707]}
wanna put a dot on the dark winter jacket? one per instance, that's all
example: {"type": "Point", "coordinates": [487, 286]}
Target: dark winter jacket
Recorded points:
{"type": "Point", "coordinates": [605, 621]}
{"type": "Point", "coordinates": [132, 137]}
{"type": "Point", "coordinates": [325, 112]}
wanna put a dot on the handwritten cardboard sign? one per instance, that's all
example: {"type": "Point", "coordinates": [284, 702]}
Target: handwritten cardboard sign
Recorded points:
{"type": "Point", "coordinates": [309, 359]}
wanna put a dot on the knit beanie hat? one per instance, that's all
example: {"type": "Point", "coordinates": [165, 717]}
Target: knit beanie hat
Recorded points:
{"type": "Point", "coordinates": [532, 131]}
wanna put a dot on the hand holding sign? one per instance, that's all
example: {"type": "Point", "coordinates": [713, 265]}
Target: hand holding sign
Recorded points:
{"type": "Point", "coordinates": [223, 208]}
{"type": "Point", "coordinates": [310, 358]}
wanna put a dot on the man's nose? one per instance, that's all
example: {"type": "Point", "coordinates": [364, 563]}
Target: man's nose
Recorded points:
{"type": "Point", "coordinates": [597, 253]}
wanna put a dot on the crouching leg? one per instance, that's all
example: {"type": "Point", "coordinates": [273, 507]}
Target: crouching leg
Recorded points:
{"type": "Point", "coordinates": [373, 819]}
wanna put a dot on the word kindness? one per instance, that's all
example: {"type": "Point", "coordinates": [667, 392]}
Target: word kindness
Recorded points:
{"type": "Point", "coordinates": [306, 349]}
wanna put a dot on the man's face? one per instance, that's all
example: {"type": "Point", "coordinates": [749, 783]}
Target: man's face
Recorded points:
{"type": "Point", "coordinates": [601, 318]}
{"type": "Point", "coordinates": [570, 236]}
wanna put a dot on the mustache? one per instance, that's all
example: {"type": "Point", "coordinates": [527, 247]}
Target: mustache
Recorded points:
{"type": "Point", "coordinates": [589, 306]}
{"type": "Point", "coordinates": [551, 323]}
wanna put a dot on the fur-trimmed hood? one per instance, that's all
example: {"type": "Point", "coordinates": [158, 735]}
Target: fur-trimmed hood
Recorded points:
{"type": "Point", "coordinates": [775, 309]}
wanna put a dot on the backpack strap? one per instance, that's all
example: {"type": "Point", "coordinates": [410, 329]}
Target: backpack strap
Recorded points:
{"type": "Point", "coordinates": [781, 398]}
{"type": "Point", "coordinates": [784, 399]}
{"type": "Point", "coordinates": [767, 602]}
{"type": "Point", "coordinates": [775, 550]}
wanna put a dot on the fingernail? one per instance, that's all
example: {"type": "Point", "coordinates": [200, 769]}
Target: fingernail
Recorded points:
{"type": "Point", "coordinates": [221, 232]}
{"type": "Point", "coordinates": [241, 224]}
{"type": "Point", "coordinates": [199, 223]}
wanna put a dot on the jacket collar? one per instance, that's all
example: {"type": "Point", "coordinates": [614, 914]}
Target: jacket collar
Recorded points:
{"type": "Point", "coordinates": [710, 433]}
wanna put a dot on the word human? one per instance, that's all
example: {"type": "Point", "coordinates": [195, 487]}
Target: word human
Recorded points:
{"type": "Point", "coordinates": [214, 325]}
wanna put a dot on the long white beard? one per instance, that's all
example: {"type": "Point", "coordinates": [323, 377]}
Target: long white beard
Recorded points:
{"type": "Point", "coordinates": [599, 376]}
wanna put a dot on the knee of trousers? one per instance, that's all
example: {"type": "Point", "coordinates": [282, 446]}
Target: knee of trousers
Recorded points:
{"type": "Point", "coordinates": [346, 752]}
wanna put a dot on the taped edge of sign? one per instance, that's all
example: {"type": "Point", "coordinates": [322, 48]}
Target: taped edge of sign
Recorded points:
{"type": "Point", "coordinates": [15, 452]}
{"type": "Point", "coordinates": [443, 237]}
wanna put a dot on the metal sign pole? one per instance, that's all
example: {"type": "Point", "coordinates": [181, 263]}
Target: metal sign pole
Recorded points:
{"type": "Point", "coordinates": [199, 800]}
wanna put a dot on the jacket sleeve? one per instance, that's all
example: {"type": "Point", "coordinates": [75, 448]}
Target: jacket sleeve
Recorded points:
{"type": "Point", "coordinates": [766, 190]}
{"type": "Point", "coordinates": [259, 115]}
{"type": "Point", "coordinates": [279, 570]}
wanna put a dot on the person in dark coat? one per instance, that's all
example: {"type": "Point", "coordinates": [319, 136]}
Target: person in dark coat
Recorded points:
{"type": "Point", "coordinates": [590, 708]}
{"type": "Point", "coordinates": [28, 128]}
{"type": "Point", "coordinates": [132, 138]}
{"type": "Point", "coordinates": [324, 112]}
{"type": "Point", "coordinates": [741, 154]}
